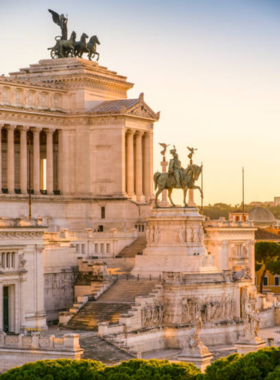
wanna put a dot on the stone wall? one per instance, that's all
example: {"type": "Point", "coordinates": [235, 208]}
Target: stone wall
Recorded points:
{"type": "Point", "coordinates": [59, 292]}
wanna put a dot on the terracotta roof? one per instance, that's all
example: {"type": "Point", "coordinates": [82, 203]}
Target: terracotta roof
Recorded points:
{"type": "Point", "coordinates": [114, 105]}
{"type": "Point", "coordinates": [261, 234]}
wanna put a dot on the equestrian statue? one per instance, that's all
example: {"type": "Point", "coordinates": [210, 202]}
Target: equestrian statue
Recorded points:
{"type": "Point", "coordinates": [64, 47]}
{"type": "Point", "coordinates": [177, 178]}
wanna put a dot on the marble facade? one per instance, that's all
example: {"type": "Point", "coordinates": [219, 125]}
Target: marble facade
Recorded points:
{"type": "Point", "coordinates": [70, 123]}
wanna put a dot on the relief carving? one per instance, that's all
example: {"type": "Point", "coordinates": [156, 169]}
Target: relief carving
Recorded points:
{"type": "Point", "coordinates": [152, 315]}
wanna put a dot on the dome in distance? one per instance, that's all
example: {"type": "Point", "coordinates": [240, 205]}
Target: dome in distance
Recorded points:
{"type": "Point", "coordinates": [261, 217]}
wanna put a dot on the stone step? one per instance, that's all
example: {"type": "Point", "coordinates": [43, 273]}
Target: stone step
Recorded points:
{"type": "Point", "coordinates": [127, 290]}
{"type": "Point", "coordinates": [93, 313]}
{"type": "Point", "coordinates": [118, 299]}
{"type": "Point", "coordinates": [135, 247]}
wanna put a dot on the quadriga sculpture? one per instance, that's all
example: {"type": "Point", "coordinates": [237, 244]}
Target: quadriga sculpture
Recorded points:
{"type": "Point", "coordinates": [64, 47]}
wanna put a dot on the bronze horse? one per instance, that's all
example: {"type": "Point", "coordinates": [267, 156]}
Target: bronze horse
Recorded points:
{"type": "Point", "coordinates": [62, 48]}
{"type": "Point", "coordinates": [91, 47]}
{"type": "Point", "coordinates": [81, 46]}
{"type": "Point", "coordinates": [167, 181]}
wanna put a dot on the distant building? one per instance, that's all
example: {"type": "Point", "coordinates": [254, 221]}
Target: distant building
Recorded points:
{"type": "Point", "coordinates": [271, 282]}
{"type": "Point", "coordinates": [238, 215]}
{"type": "Point", "coordinates": [262, 217]}
{"type": "Point", "coordinates": [276, 201]}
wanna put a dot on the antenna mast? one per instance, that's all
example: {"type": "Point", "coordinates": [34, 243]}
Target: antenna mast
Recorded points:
{"type": "Point", "coordinates": [243, 193]}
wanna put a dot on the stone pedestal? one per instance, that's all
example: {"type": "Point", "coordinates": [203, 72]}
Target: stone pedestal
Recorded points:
{"type": "Point", "coordinates": [191, 199]}
{"type": "Point", "coordinates": [200, 362]}
{"type": "Point", "coordinates": [174, 244]}
{"type": "Point", "coordinates": [199, 356]}
{"type": "Point", "coordinates": [248, 343]}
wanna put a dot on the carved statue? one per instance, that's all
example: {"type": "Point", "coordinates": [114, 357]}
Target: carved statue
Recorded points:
{"type": "Point", "coordinates": [148, 236]}
{"type": "Point", "coordinates": [190, 234]}
{"type": "Point", "coordinates": [157, 234]}
{"type": "Point", "coordinates": [64, 47]}
{"type": "Point", "coordinates": [61, 21]}
{"type": "Point", "coordinates": [194, 343]}
{"type": "Point", "coordinates": [181, 235]}
{"type": "Point", "coordinates": [187, 178]}
{"type": "Point", "coordinates": [165, 146]}
{"type": "Point", "coordinates": [175, 167]}
{"type": "Point", "coordinates": [190, 155]}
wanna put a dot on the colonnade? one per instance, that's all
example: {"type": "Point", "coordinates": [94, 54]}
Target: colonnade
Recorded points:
{"type": "Point", "coordinates": [139, 164]}
{"type": "Point", "coordinates": [36, 159]}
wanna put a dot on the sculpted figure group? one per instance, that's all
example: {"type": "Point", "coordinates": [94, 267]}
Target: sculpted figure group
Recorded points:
{"type": "Point", "coordinates": [152, 315]}
{"type": "Point", "coordinates": [212, 309]}
{"type": "Point", "coordinates": [65, 48]}
{"type": "Point", "coordinates": [177, 177]}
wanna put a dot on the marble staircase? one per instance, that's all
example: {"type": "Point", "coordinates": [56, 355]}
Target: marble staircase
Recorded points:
{"type": "Point", "coordinates": [118, 299]}
{"type": "Point", "coordinates": [134, 248]}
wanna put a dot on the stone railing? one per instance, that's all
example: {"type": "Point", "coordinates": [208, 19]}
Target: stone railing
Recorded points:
{"type": "Point", "coordinates": [16, 350]}
{"type": "Point", "coordinates": [88, 234]}
{"type": "Point", "coordinates": [22, 222]}
{"type": "Point", "coordinates": [67, 342]}
{"type": "Point", "coordinates": [228, 224]}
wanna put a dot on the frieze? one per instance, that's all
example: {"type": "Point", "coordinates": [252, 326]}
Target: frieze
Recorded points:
{"type": "Point", "coordinates": [107, 120]}
{"type": "Point", "coordinates": [152, 315]}
{"type": "Point", "coordinates": [21, 235]}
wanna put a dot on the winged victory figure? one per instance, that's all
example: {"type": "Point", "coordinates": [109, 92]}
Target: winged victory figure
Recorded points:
{"type": "Point", "coordinates": [190, 155]}
{"type": "Point", "coordinates": [165, 146]}
{"type": "Point", "coordinates": [61, 21]}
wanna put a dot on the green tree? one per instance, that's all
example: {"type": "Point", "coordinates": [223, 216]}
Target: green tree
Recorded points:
{"type": "Point", "coordinates": [267, 256]}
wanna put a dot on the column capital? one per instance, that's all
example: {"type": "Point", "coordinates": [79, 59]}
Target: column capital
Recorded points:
{"type": "Point", "coordinates": [11, 127]}
{"type": "Point", "coordinates": [23, 128]}
{"type": "Point", "coordinates": [131, 131]}
{"type": "Point", "coordinates": [139, 133]}
{"type": "Point", "coordinates": [49, 131]}
{"type": "Point", "coordinates": [36, 129]}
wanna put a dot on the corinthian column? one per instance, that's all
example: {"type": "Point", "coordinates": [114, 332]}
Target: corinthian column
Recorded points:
{"type": "Point", "coordinates": [130, 165]}
{"type": "Point", "coordinates": [11, 159]}
{"type": "Point", "coordinates": [36, 160]}
{"type": "Point", "coordinates": [49, 133]}
{"type": "Point", "coordinates": [147, 167]}
{"type": "Point", "coordinates": [139, 166]}
{"type": "Point", "coordinates": [23, 159]}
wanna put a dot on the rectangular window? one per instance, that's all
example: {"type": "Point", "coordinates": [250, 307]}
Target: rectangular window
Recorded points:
{"type": "Point", "coordinates": [102, 212]}
{"type": "Point", "coordinates": [276, 281]}
{"type": "Point", "coordinates": [102, 248]}
{"type": "Point", "coordinates": [107, 248]}
{"type": "Point", "coordinates": [83, 248]}
{"type": "Point", "coordinates": [100, 228]}
{"type": "Point", "coordinates": [77, 248]}
{"type": "Point", "coordinates": [95, 248]}
{"type": "Point", "coordinates": [265, 281]}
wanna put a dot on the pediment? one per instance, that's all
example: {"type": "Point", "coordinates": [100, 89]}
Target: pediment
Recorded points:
{"type": "Point", "coordinates": [142, 110]}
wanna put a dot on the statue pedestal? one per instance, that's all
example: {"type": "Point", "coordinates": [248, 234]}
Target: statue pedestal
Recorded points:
{"type": "Point", "coordinates": [249, 343]}
{"type": "Point", "coordinates": [174, 244]}
{"type": "Point", "coordinates": [191, 199]}
{"type": "Point", "coordinates": [200, 357]}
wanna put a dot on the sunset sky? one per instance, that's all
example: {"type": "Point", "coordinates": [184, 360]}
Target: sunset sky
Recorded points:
{"type": "Point", "coordinates": [212, 67]}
